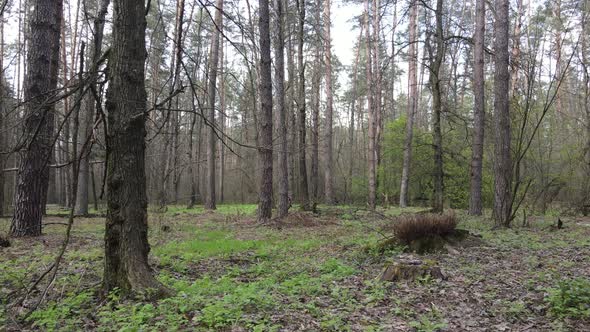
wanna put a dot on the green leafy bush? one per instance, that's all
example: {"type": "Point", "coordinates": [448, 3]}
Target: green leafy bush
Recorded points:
{"type": "Point", "coordinates": [571, 299]}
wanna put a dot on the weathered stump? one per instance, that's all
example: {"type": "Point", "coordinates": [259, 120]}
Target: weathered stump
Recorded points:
{"type": "Point", "coordinates": [411, 270]}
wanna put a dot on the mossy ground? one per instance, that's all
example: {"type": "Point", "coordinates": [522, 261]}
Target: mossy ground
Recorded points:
{"type": "Point", "coordinates": [312, 272]}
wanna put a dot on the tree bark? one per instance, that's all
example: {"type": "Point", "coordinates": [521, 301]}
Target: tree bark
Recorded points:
{"type": "Point", "coordinates": [222, 120]}
{"type": "Point", "coordinates": [88, 116]}
{"type": "Point", "coordinates": [412, 105]}
{"type": "Point", "coordinates": [194, 175]}
{"type": "Point", "coordinates": [283, 166]}
{"type": "Point", "coordinates": [315, 116]}
{"type": "Point", "coordinates": [40, 85]}
{"type": "Point", "coordinates": [503, 163]}
{"type": "Point", "coordinates": [329, 177]}
{"type": "Point", "coordinates": [372, 192]}
{"type": "Point", "coordinates": [304, 189]}
{"type": "Point", "coordinates": [210, 202]}
{"type": "Point", "coordinates": [351, 128]}
{"type": "Point", "coordinates": [2, 111]}
{"type": "Point", "coordinates": [475, 199]}
{"type": "Point", "coordinates": [377, 102]}
{"type": "Point", "coordinates": [265, 148]}
{"type": "Point", "coordinates": [126, 235]}
{"type": "Point", "coordinates": [438, 195]}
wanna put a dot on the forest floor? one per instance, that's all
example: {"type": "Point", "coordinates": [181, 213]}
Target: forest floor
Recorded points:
{"type": "Point", "coordinates": [313, 273]}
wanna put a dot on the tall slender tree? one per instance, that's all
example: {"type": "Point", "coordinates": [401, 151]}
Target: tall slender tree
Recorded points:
{"type": "Point", "coordinates": [475, 200]}
{"type": "Point", "coordinates": [328, 175]}
{"type": "Point", "coordinates": [90, 109]}
{"type": "Point", "coordinates": [283, 166]}
{"type": "Point", "coordinates": [210, 202]}
{"type": "Point", "coordinates": [412, 103]}
{"type": "Point", "coordinates": [503, 158]}
{"type": "Point", "coordinates": [265, 149]}
{"type": "Point", "coordinates": [372, 161]}
{"type": "Point", "coordinates": [40, 86]}
{"type": "Point", "coordinates": [304, 190]}
{"type": "Point", "coordinates": [315, 113]}
{"type": "Point", "coordinates": [435, 66]}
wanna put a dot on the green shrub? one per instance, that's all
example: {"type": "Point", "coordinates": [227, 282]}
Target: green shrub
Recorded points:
{"type": "Point", "coordinates": [571, 299]}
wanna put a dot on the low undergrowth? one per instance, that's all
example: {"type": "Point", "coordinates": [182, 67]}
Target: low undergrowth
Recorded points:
{"type": "Point", "coordinates": [235, 275]}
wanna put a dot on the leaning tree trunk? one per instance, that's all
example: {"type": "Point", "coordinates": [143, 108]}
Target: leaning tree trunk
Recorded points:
{"type": "Point", "coordinates": [84, 172]}
{"type": "Point", "coordinates": [503, 163]}
{"type": "Point", "coordinates": [265, 149]}
{"type": "Point", "coordinates": [329, 176]}
{"type": "Point", "coordinates": [210, 202]}
{"type": "Point", "coordinates": [40, 86]}
{"type": "Point", "coordinates": [412, 106]}
{"type": "Point", "coordinates": [475, 200]}
{"type": "Point", "coordinates": [126, 235]}
{"type": "Point", "coordinates": [283, 167]}
{"type": "Point", "coordinates": [304, 190]}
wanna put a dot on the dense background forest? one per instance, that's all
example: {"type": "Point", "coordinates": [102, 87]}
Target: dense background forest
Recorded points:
{"type": "Point", "coordinates": [412, 118]}
{"type": "Point", "coordinates": [140, 111]}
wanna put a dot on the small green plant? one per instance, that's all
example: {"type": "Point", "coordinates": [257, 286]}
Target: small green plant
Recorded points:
{"type": "Point", "coordinates": [57, 315]}
{"type": "Point", "coordinates": [571, 298]}
{"type": "Point", "coordinates": [428, 323]}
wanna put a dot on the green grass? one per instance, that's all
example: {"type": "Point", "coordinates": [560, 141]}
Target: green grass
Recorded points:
{"type": "Point", "coordinates": [224, 209]}
{"type": "Point", "coordinates": [226, 275]}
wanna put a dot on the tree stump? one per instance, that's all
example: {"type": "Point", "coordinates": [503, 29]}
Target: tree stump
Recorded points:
{"type": "Point", "coordinates": [411, 270]}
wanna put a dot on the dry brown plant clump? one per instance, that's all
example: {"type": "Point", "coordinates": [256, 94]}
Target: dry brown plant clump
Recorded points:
{"type": "Point", "coordinates": [410, 228]}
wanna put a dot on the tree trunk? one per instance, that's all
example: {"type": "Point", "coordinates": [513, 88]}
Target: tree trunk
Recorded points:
{"type": "Point", "coordinates": [210, 203]}
{"type": "Point", "coordinates": [126, 235]}
{"type": "Point", "coordinates": [475, 200]}
{"type": "Point", "coordinates": [88, 116]}
{"type": "Point", "coordinates": [329, 177]}
{"type": "Point", "coordinates": [438, 195]}
{"type": "Point", "coordinates": [2, 111]}
{"type": "Point", "coordinates": [586, 63]}
{"type": "Point", "coordinates": [192, 174]}
{"type": "Point", "coordinates": [40, 85]}
{"type": "Point", "coordinates": [351, 126]}
{"type": "Point", "coordinates": [412, 105]}
{"type": "Point", "coordinates": [378, 110]}
{"type": "Point", "coordinates": [370, 112]}
{"type": "Point", "coordinates": [304, 190]}
{"type": "Point", "coordinates": [265, 148]}
{"type": "Point", "coordinates": [283, 167]}
{"type": "Point", "coordinates": [503, 163]}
